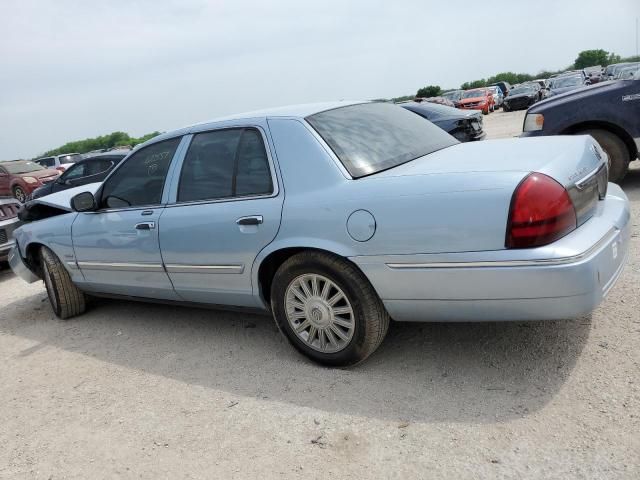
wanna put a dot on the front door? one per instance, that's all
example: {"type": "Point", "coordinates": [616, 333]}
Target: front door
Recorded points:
{"type": "Point", "coordinates": [227, 208]}
{"type": "Point", "coordinates": [117, 247]}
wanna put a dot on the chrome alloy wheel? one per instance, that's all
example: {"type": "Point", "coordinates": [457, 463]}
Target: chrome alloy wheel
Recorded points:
{"type": "Point", "coordinates": [319, 313]}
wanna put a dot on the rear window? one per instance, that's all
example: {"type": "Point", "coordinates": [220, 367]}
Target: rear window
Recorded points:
{"type": "Point", "coordinates": [74, 157]}
{"type": "Point", "coordinates": [372, 137]}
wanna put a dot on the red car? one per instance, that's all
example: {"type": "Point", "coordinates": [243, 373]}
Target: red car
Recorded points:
{"type": "Point", "coordinates": [478, 99]}
{"type": "Point", "coordinates": [21, 177]}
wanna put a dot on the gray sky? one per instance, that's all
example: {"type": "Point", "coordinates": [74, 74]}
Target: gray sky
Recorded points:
{"type": "Point", "coordinates": [76, 69]}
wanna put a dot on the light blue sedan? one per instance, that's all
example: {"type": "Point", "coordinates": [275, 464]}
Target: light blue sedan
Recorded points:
{"type": "Point", "coordinates": [337, 218]}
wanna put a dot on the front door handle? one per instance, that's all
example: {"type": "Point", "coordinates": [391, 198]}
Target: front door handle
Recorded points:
{"type": "Point", "coordinates": [250, 220]}
{"type": "Point", "coordinates": [145, 226]}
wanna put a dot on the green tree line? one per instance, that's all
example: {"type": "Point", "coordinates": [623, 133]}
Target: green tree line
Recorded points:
{"type": "Point", "coordinates": [114, 139]}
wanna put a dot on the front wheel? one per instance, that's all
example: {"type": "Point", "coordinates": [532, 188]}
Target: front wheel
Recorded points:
{"type": "Point", "coordinates": [327, 309]}
{"type": "Point", "coordinates": [19, 194]}
{"type": "Point", "coordinates": [66, 299]}
{"type": "Point", "coordinates": [616, 150]}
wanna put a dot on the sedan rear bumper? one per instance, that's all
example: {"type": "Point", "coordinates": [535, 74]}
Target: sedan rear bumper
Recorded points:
{"type": "Point", "coordinates": [566, 279]}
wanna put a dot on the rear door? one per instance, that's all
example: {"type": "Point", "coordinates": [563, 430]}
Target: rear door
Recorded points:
{"type": "Point", "coordinates": [117, 247]}
{"type": "Point", "coordinates": [225, 208]}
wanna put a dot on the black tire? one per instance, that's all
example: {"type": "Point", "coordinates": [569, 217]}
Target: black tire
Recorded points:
{"type": "Point", "coordinates": [370, 317]}
{"type": "Point", "coordinates": [617, 151]}
{"type": "Point", "coordinates": [19, 194]}
{"type": "Point", "coordinates": [505, 108]}
{"type": "Point", "coordinates": [66, 299]}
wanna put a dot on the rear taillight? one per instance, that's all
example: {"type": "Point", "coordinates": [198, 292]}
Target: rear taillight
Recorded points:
{"type": "Point", "coordinates": [541, 212]}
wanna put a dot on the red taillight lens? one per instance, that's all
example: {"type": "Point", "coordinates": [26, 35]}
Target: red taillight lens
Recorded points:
{"type": "Point", "coordinates": [541, 212]}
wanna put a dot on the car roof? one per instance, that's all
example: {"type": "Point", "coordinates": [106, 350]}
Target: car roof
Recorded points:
{"type": "Point", "coordinates": [291, 111]}
{"type": "Point", "coordinates": [110, 153]}
{"type": "Point", "coordinates": [296, 111]}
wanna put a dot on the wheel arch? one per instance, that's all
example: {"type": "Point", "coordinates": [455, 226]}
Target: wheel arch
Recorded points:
{"type": "Point", "coordinates": [270, 259]}
{"type": "Point", "coordinates": [609, 127]}
{"type": "Point", "coordinates": [32, 257]}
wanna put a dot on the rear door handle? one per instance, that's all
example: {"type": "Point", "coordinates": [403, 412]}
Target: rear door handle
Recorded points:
{"type": "Point", "coordinates": [145, 226]}
{"type": "Point", "coordinates": [250, 220]}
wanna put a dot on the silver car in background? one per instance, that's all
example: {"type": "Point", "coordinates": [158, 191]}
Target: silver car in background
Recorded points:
{"type": "Point", "coordinates": [337, 218]}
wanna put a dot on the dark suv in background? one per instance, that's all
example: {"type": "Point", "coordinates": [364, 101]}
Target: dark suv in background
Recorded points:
{"type": "Point", "coordinates": [608, 111]}
{"type": "Point", "coordinates": [90, 170]}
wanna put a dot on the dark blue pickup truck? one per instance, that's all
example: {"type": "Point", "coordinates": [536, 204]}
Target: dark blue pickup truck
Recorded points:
{"type": "Point", "coordinates": [608, 111]}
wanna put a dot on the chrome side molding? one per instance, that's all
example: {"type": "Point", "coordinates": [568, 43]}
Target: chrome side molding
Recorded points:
{"type": "Point", "coordinates": [153, 267]}
{"type": "Point", "coordinates": [122, 267]}
{"type": "Point", "coordinates": [179, 268]}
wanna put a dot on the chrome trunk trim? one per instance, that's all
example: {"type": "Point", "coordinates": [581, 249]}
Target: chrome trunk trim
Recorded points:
{"type": "Point", "coordinates": [610, 235]}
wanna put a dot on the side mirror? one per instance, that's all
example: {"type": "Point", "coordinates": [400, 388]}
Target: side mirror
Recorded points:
{"type": "Point", "coordinates": [83, 202]}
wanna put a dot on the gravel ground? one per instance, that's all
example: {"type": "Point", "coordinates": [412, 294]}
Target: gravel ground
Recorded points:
{"type": "Point", "coordinates": [145, 391]}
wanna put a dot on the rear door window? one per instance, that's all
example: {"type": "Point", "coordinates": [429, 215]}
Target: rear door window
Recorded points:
{"type": "Point", "coordinates": [224, 164]}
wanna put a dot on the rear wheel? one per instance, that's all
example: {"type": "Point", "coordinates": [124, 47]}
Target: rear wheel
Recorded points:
{"type": "Point", "coordinates": [617, 151]}
{"type": "Point", "coordinates": [19, 194]}
{"type": "Point", "coordinates": [327, 309]}
{"type": "Point", "coordinates": [66, 299]}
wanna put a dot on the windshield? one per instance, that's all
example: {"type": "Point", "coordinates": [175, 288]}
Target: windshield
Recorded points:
{"type": "Point", "coordinates": [523, 89]}
{"type": "Point", "coordinates": [473, 94]}
{"type": "Point", "coordinates": [435, 110]}
{"type": "Point", "coordinates": [371, 137]}
{"type": "Point", "coordinates": [562, 82]}
{"type": "Point", "coordinates": [455, 95]}
{"type": "Point", "coordinates": [21, 167]}
{"type": "Point", "coordinates": [70, 158]}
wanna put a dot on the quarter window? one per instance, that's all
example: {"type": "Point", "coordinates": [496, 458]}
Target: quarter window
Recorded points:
{"type": "Point", "coordinates": [224, 164]}
{"type": "Point", "coordinates": [140, 180]}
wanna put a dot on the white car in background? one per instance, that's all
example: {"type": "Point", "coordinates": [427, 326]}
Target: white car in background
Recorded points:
{"type": "Point", "coordinates": [59, 162]}
{"type": "Point", "coordinates": [498, 96]}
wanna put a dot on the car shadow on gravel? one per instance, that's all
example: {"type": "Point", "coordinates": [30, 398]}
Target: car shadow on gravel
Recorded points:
{"type": "Point", "coordinates": [5, 272]}
{"type": "Point", "coordinates": [631, 182]}
{"type": "Point", "coordinates": [474, 373]}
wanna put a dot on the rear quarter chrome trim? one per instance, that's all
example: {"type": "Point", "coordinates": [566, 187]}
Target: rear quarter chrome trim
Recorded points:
{"type": "Point", "coordinates": [176, 268]}
{"type": "Point", "coordinates": [611, 234]}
